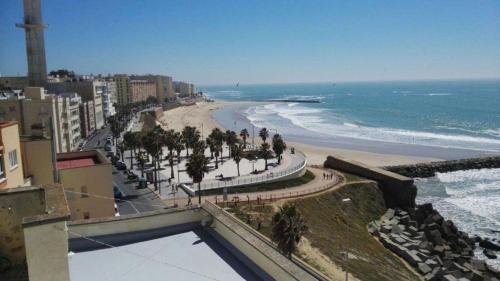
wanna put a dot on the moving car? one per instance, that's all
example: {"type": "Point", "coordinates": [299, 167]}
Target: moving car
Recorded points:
{"type": "Point", "coordinates": [117, 193]}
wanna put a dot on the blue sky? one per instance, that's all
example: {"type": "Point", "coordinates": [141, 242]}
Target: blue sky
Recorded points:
{"type": "Point", "coordinates": [217, 42]}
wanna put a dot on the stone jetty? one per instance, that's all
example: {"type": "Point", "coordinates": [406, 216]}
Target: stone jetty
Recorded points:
{"type": "Point", "coordinates": [426, 170]}
{"type": "Point", "coordinates": [432, 245]}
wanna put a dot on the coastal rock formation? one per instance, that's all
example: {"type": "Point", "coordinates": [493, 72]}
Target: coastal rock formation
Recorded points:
{"type": "Point", "coordinates": [426, 170]}
{"type": "Point", "coordinates": [432, 245]}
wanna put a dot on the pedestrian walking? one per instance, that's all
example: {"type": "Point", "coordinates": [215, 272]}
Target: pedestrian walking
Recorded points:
{"type": "Point", "coordinates": [324, 175]}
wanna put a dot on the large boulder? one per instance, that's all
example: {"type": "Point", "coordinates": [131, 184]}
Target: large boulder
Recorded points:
{"type": "Point", "coordinates": [489, 254]}
{"type": "Point", "coordinates": [486, 244]}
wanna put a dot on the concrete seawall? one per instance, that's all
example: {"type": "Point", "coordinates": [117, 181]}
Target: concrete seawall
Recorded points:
{"type": "Point", "coordinates": [426, 170]}
{"type": "Point", "coordinates": [398, 191]}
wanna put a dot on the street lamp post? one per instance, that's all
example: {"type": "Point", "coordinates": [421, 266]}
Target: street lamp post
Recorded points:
{"type": "Point", "coordinates": [346, 201]}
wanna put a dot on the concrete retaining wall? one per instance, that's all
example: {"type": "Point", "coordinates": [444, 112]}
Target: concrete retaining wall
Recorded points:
{"type": "Point", "coordinates": [426, 170]}
{"type": "Point", "coordinates": [134, 223]}
{"type": "Point", "coordinates": [399, 191]}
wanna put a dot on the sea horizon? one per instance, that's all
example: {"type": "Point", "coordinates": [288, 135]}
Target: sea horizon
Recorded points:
{"type": "Point", "coordinates": [203, 86]}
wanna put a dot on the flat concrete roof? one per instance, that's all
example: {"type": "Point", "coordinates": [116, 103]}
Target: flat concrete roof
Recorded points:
{"type": "Point", "coordinates": [191, 255]}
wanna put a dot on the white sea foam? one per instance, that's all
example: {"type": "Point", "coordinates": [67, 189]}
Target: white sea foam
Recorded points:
{"type": "Point", "coordinates": [327, 122]}
{"type": "Point", "coordinates": [439, 94]}
{"type": "Point", "coordinates": [469, 175]}
{"type": "Point", "coordinates": [471, 200]}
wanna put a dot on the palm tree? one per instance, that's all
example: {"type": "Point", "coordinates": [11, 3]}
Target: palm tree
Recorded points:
{"type": "Point", "coordinates": [278, 146]}
{"type": "Point", "coordinates": [231, 138]}
{"type": "Point", "coordinates": [217, 151]}
{"type": "Point", "coordinates": [121, 147]}
{"type": "Point", "coordinates": [115, 127]}
{"type": "Point", "coordinates": [152, 144]}
{"type": "Point", "coordinates": [264, 152]}
{"type": "Point", "coordinates": [170, 141]}
{"type": "Point", "coordinates": [237, 156]}
{"type": "Point", "coordinates": [141, 159]}
{"type": "Point", "coordinates": [179, 146]}
{"type": "Point", "coordinates": [244, 135]}
{"type": "Point", "coordinates": [196, 167]}
{"type": "Point", "coordinates": [199, 147]}
{"type": "Point", "coordinates": [288, 228]}
{"type": "Point", "coordinates": [211, 145]}
{"type": "Point", "coordinates": [264, 134]}
{"type": "Point", "coordinates": [129, 140]}
{"type": "Point", "coordinates": [190, 136]}
{"type": "Point", "coordinates": [218, 136]}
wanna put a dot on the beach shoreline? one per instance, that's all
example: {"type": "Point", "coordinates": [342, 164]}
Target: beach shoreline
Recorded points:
{"type": "Point", "coordinates": [201, 116]}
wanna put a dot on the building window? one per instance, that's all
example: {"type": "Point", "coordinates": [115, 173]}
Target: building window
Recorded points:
{"type": "Point", "coordinates": [86, 215]}
{"type": "Point", "coordinates": [84, 191]}
{"type": "Point", "coordinates": [13, 159]}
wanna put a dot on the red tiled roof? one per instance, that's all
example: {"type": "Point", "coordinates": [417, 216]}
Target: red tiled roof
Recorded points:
{"type": "Point", "coordinates": [75, 163]}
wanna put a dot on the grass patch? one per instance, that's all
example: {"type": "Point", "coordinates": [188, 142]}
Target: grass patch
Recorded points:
{"type": "Point", "coordinates": [352, 177]}
{"type": "Point", "coordinates": [307, 177]}
{"type": "Point", "coordinates": [335, 226]}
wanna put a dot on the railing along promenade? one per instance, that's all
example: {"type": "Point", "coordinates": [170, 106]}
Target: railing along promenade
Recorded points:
{"type": "Point", "coordinates": [255, 179]}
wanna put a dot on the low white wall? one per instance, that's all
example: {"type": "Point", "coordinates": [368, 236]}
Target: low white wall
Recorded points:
{"type": "Point", "coordinates": [131, 223]}
{"type": "Point", "coordinates": [261, 260]}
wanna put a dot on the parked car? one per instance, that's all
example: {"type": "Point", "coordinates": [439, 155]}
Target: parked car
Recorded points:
{"type": "Point", "coordinates": [132, 176]}
{"type": "Point", "coordinates": [114, 159]}
{"type": "Point", "coordinates": [107, 147]}
{"type": "Point", "coordinates": [110, 154]}
{"type": "Point", "coordinates": [121, 166]}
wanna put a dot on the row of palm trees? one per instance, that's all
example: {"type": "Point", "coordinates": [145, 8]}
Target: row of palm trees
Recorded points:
{"type": "Point", "coordinates": [143, 145]}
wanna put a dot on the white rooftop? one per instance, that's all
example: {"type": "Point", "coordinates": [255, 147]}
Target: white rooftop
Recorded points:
{"type": "Point", "coordinates": [192, 255]}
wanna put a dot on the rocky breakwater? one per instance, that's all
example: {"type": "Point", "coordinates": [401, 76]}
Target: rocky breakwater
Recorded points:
{"type": "Point", "coordinates": [432, 245]}
{"type": "Point", "coordinates": [427, 170]}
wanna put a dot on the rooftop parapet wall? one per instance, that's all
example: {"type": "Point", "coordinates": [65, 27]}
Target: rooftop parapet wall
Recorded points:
{"type": "Point", "coordinates": [426, 170]}
{"type": "Point", "coordinates": [399, 191]}
{"type": "Point", "coordinates": [25, 207]}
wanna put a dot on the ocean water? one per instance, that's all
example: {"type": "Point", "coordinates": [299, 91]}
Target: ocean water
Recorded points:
{"type": "Point", "coordinates": [463, 117]}
{"type": "Point", "coordinates": [470, 198]}
{"type": "Point", "coordinates": [439, 119]}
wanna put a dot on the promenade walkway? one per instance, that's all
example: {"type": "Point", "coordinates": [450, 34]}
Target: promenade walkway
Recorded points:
{"type": "Point", "coordinates": [318, 184]}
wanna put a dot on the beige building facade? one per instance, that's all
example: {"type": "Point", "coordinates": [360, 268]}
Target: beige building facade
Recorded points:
{"type": "Point", "coordinates": [86, 177]}
{"type": "Point", "coordinates": [89, 90]}
{"type": "Point", "coordinates": [184, 89]}
{"type": "Point", "coordinates": [136, 88]}
{"type": "Point", "coordinates": [37, 111]}
{"type": "Point", "coordinates": [11, 165]}
{"type": "Point", "coordinates": [37, 157]}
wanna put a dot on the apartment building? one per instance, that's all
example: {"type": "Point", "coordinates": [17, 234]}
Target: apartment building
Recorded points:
{"type": "Point", "coordinates": [142, 89]}
{"type": "Point", "coordinates": [37, 112]}
{"type": "Point", "coordinates": [163, 84]}
{"type": "Point", "coordinates": [184, 89]}
{"type": "Point", "coordinates": [11, 171]}
{"type": "Point", "coordinates": [89, 90]}
{"type": "Point", "coordinates": [109, 98]}
{"type": "Point", "coordinates": [131, 89]}
{"type": "Point", "coordinates": [87, 118]}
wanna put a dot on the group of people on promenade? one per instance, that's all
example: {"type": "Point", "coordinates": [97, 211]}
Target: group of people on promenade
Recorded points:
{"type": "Point", "coordinates": [327, 176]}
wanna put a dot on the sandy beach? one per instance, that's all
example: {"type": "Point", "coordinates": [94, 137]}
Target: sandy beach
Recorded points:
{"type": "Point", "coordinates": [200, 116]}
